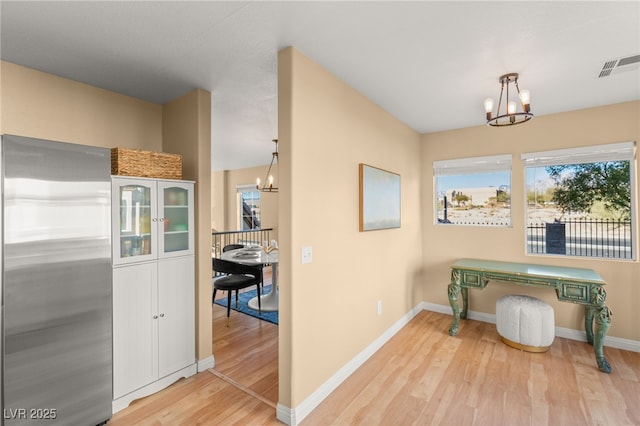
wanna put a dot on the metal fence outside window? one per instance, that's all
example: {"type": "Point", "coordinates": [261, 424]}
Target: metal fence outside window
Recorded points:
{"type": "Point", "coordinates": [604, 238]}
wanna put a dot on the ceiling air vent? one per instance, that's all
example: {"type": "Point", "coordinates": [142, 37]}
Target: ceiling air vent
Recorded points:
{"type": "Point", "coordinates": [615, 66]}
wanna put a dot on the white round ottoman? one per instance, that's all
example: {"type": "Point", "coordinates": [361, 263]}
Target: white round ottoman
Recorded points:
{"type": "Point", "coordinates": [525, 322]}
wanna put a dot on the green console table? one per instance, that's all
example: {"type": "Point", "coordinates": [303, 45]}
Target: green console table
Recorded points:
{"type": "Point", "coordinates": [576, 285]}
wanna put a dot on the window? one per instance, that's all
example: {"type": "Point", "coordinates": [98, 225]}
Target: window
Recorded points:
{"type": "Point", "coordinates": [580, 201]}
{"type": "Point", "coordinates": [473, 191]}
{"type": "Point", "coordinates": [248, 207]}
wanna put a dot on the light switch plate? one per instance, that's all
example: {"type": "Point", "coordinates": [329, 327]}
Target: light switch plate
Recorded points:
{"type": "Point", "coordinates": [307, 254]}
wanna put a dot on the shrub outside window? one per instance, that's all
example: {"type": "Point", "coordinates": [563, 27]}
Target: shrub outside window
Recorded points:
{"type": "Point", "coordinates": [473, 191]}
{"type": "Point", "coordinates": [580, 201]}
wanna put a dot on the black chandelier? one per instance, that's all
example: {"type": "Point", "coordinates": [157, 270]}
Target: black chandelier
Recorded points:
{"type": "Point", "coordinates": [267, 185]}
{"type": "Point", "coordinates": [510, 115]}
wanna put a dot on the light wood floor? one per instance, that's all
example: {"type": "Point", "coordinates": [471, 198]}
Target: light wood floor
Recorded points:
{"type": "Point", "coordinates": [422, 376]}
{"type": "Point", "coordinates": [247, 352]}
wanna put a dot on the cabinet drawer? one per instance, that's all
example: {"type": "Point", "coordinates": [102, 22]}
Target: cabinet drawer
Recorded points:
{"type": "Point", "coordinates": [473, 279]}
{"type": "Point", "coordinates": [574, 292]}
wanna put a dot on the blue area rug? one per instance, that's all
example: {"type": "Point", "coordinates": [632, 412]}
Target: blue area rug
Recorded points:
{"type": "Point", "coordinates": [243, 299]}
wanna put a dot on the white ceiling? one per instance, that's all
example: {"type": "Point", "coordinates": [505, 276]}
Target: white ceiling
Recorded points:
{"type": "Point", "coordinates": [430, 64]}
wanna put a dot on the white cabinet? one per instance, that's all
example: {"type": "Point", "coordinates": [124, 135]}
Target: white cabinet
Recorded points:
{"type": "Point", "coordinates": [153, 286]}
{"type": "Point", "coordinates": [135, 327]}
{"type": "Point", "coordinates": [152, 219]}
{"type": "Point", "coordinates": [176, 311]}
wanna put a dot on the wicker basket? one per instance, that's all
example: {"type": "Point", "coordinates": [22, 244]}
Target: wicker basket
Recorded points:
{"type": "Point", "coordinates": [137, 162]}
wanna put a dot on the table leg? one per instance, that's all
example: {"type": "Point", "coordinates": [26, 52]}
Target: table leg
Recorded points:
{"type": "Point", "coordinates": [453, 291]}
{"type": "Point", "coordinates": [465, 302]}
{"type": "Point", "coordinates": [588, 323]}
{"type": "Point", "coordinates": [603, 320]}
{"type": "Point", "coordinates": [268, 301]}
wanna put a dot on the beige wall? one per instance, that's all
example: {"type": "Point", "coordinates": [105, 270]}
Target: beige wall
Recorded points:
{"type": "Point", "coordinates": [442, 244]}
{"type": "Point", "coordinates": [40, 105]}
{"type": "Point", "coordinates": [45, 106]}
{"type": "Point", "coordinates": [328, 308]}
{"type": "Point", "coordinates": [218, 201]}
{"type": "Point", "coordinates": [187, 130]}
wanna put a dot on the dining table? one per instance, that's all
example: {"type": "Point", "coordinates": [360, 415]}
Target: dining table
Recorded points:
{"type": "Point", "coordinates": [257, 255]}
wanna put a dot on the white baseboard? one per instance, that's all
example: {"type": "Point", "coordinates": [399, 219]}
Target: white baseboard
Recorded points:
{"type": "Point", "coordinates": [286, 415]}
{"type": "Point", "coordinates": [206, 363]}
{"type": "Point", "coordinates": [294, 416]}
{"type": "Point", "coordinates": [567, 333]}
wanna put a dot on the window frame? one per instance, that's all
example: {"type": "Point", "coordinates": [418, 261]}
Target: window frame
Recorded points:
{"type": "Point", "coordinates": [470, 166]}
{"type": "Point", "coordinates": [620, 151]}
{"type": "Point", "coordinates": [240, 189]}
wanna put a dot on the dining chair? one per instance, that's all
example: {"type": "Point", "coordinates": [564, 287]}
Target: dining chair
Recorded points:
{"type": "Point", "coordinates": [238, 276]}
{"type": "Point", "coordinates": [226, 248]}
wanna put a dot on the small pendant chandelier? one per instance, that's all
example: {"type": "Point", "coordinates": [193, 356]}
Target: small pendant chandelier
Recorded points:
{"type": "Point", "coordinates": [510, 115]}
{"type": "Point", "coordinates": [267, 185]}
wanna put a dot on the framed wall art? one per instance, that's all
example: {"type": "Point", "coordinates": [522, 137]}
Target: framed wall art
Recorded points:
{"type": "Point", "coordinates": [379, 199]}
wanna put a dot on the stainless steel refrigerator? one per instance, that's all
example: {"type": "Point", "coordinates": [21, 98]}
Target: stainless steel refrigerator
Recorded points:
{"type": "Point", "coordinates": [56, 283]}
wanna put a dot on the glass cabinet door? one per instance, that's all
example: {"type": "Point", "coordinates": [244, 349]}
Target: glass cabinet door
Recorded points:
{"type": "Point", "coordinates": [151, 219]}
{"type": "Point", "coordinates": [177, 219]}
{"type": "Point", "coordinates": [134, 212]}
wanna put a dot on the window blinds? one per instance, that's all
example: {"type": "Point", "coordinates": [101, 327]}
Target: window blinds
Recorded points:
{"type": "Point", "coordinates": [623, 151]}
{"type": "Point", "coordinates": [472, 165]}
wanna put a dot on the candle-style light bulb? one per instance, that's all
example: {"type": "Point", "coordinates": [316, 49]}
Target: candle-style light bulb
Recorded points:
{"type": "Point", "coordinates": [511, 107]}
{"type": "Point", "coordinates": [525, 98]}
{"type": "Point", "coordinates": [258, 183]}
{"type": "Point", "coordinates": [488, 107]}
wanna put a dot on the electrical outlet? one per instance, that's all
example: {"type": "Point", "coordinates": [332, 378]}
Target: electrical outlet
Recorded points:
{"type": "Point", "coordinates": [307, 254]}
{"type": "Point", "coordinates": [379, 307]}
